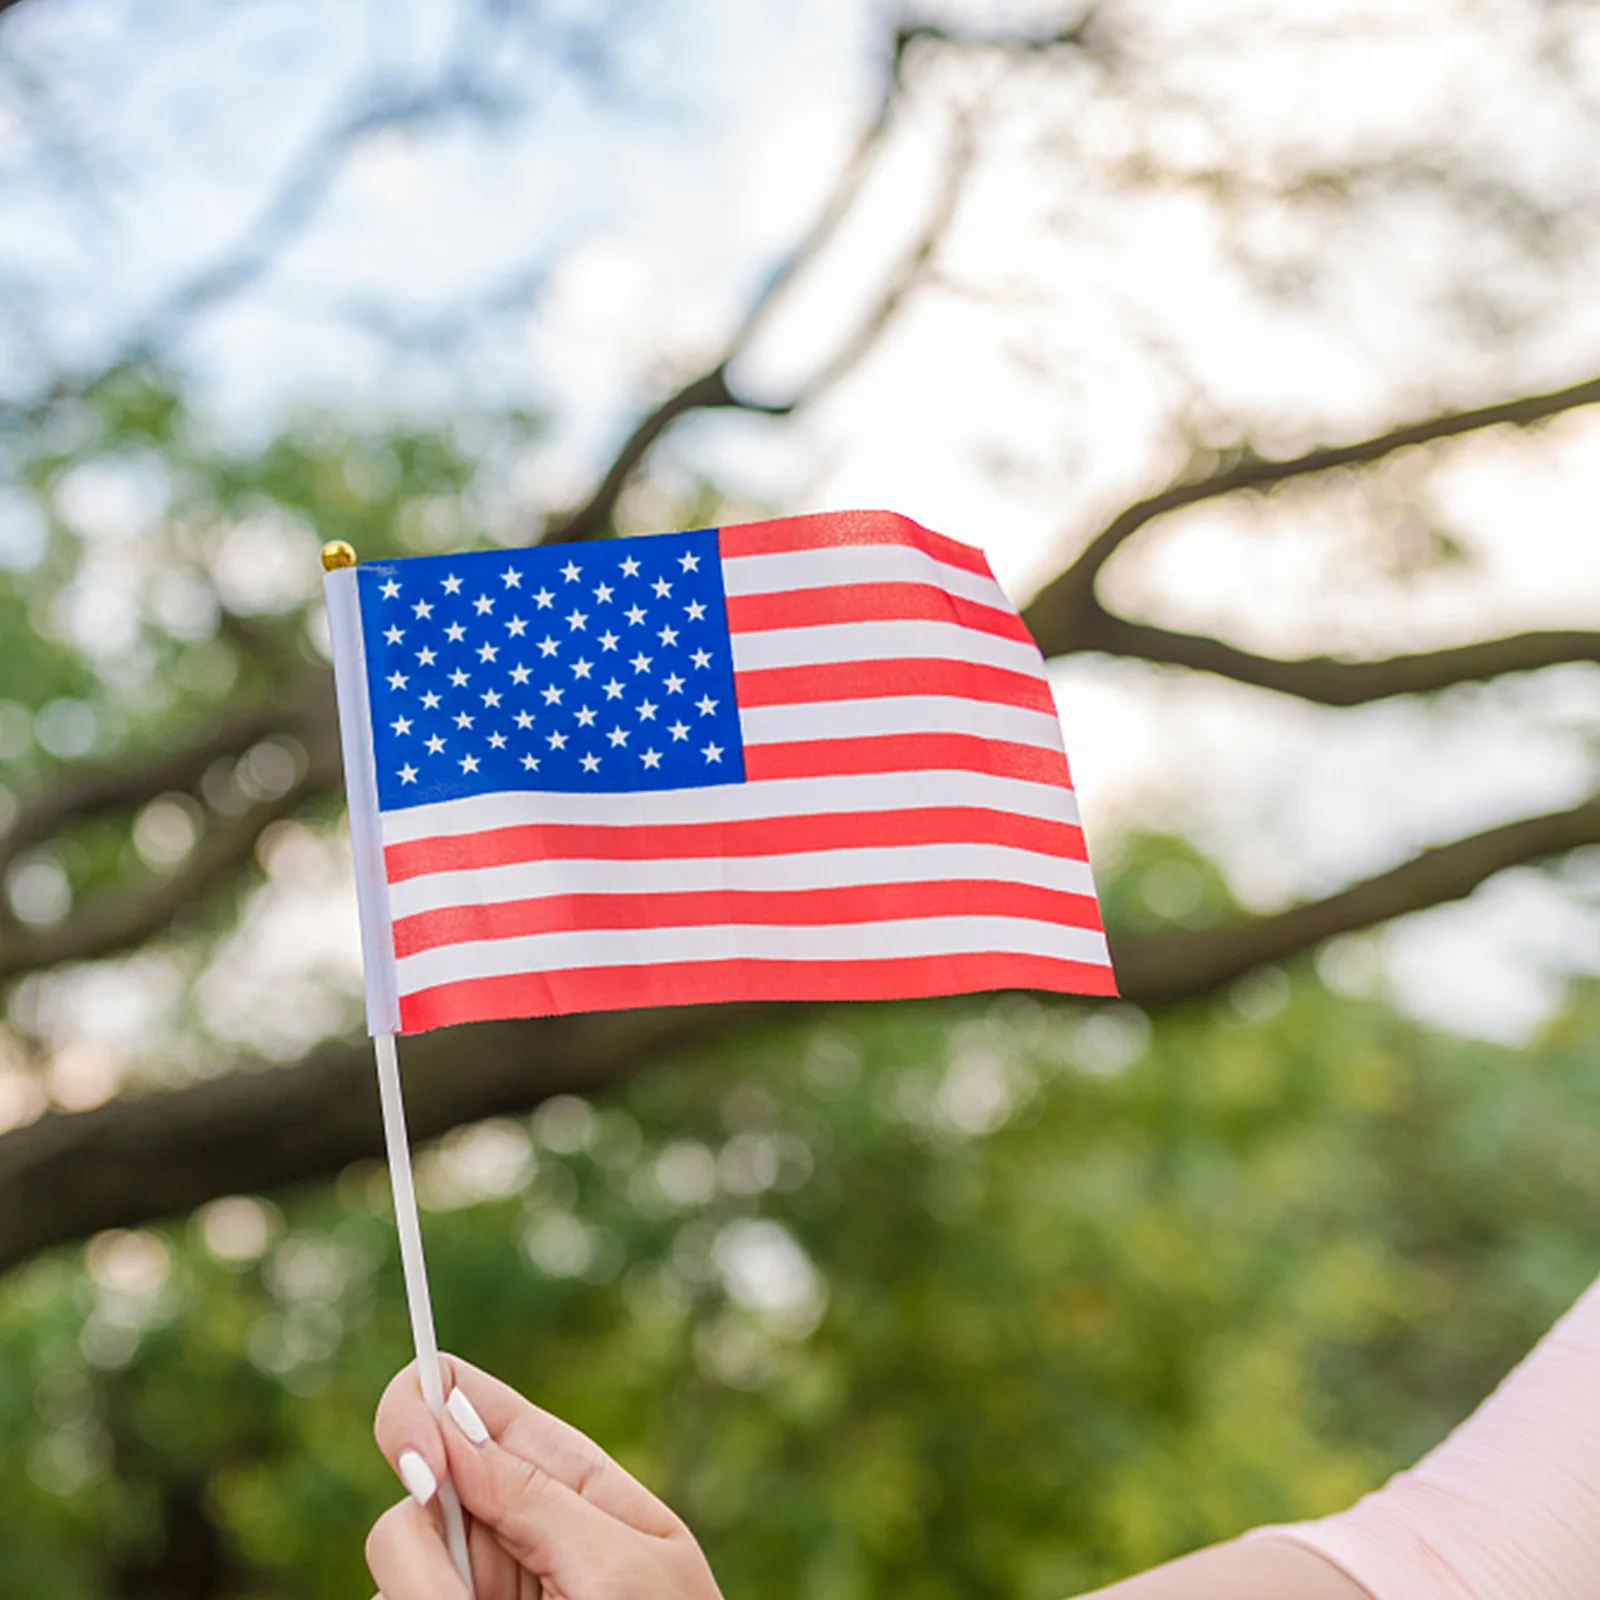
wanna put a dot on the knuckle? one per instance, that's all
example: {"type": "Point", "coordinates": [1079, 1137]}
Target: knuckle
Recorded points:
{"type": "Point", "coordinates": [530, 1485]}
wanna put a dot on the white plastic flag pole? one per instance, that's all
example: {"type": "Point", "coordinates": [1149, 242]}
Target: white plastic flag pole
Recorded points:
{"type": "Point", "coordinates": [383, 1001]}
{"type": "Point", "coordinates": [418, 1301]}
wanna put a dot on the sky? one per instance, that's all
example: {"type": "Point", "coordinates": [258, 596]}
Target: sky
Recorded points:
{"type": "Point", "coordinates": [1093, 298]}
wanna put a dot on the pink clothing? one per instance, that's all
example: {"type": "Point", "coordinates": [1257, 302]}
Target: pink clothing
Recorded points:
{"type": "Point", "coordinates": [1507, 1508]}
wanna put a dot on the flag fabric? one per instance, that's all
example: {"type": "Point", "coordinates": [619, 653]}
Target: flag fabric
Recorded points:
{"type": "Point", "coordinates": [809, 759]}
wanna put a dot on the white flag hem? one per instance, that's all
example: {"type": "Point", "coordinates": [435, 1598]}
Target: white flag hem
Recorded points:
{"type": "Point", "coordinates": [361, 794]}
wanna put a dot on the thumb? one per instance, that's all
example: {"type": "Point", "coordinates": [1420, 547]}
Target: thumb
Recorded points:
{"type": "Point", "coordinates": [547, 1527]}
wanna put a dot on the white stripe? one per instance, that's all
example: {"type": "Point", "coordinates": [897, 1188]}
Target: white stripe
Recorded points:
{"type": "Point", "coordinates": [811, 869]}
{"type": "Point", "coordinates": [838, 566]}
{"type": "Point", "coordinates": [882, 641]}
{"type": "Point", "coordinates": [871, 941]}
{"type": "Point", "coordinates": [911, 713]}
{"type": "Point", "coordinates": [734, 802]}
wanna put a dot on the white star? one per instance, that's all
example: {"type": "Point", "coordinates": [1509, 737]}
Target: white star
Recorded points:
{"type": "Point", "coordinates": [430, 701]}
{"type": "Point", "coordinates": [452, 584]}
{"type": "Point", "coordinates": [585, 717]}
{"type": "Point", "coordinates": [679, 730]}
{"type": "Point", "coordinates": [401, 725]}
{"type": "Point", "coordinates": [497, 741]}
{"type": "Point", "coordinates": [662, 587]}
{"type": "Point", "coordinates": [576, 620]}
{"type": "Point", "coordinates": [459, 678]}
{"type": "Point", "coordinates": [558, 741]}
{"type": "Point", "coordinates": [608, 641]}
{"type": "Point", "coordinates": [398, 680]}
{"type": "Point", "coordinates": [613, 690]}
{"type": "Point", "coordinates": [552, 696]}
{"type": "Point", "coordinates": [689, 561]}
{"type": "Point", "coordinates": [531, 763]}
{"type": "Point", "coordinates": [635, 615]}
{"type": "Point", "coordinates": [640, 663]}
{"type": "Point", "coordinates": [516, 627]}
{"type": "Point", "coordinates": [701, 658]}
{"type": "Point", "coordinates": [491, 698]}
{"type": "Point", "coordinates": [695, 610]}
{"type": "Point", "coordinates": [407, 773]}
{"type": "Point", "coordinates": [603, 592]}
{"type": "Point", "coordinates": [390, 590]}
{"type": "Point", "coordinates": [469, 763]}
{"type": "Point", "coordinates": [581, 668]}
{"type": "Point", "coordinates": [570, 572]}
{"type": "Point", "coordinates": [487, 652]}
{"type": "Point", "coordinates": [674, 683]}
{"type": "Point", "coordinates": [668, 636]}
{"type": "Point", "coordinates": [483, 605]}
{"type": "Point", "coordinates": [512, 578]}
{"type": "Point", "coordinates": [705, 705]}
{"type": "Point", "coordinates": [422, 609]}
{"type": "Point", "coordinates": [425, 658]}
{"type": "Point", "coordinates": [463, 719]}
{"type": "Point", "coordinates": [651, 758]}
{"type": "Point", "coordinates": [435, 745]}
{"type": "Point", "coordinates": [591, 763]}
{"type": "Point", "coordinates": [520, 673]}
{"type": "Point", "coordinates": [630, 568]}
{"type": "Point", "coordinates": [455, 633]}
{"type": "Point", "coordinates": [393, 636]}
{"type": "Point", "coordinates": [647, 712]}
{"type": "Point", "coordinates": [524, 719]}
{"type": "Point", "coordinates": [548, 646]}
{"type": "Point", "coordinates": [544, 599]}
{"type": "Point", "coordinates": [618, 736]}
{"type": "Point", "coordinates": [712, 752]}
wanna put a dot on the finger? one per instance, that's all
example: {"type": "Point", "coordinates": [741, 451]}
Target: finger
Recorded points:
{"type": "Point", "coordinates": [409, 1437]}
{"type": "Point", "coordinates": [568, 1455]}
{"type": "Point", "coordinates": [408, 1559]}
{"type": "Point", "coordinates": [567, 1541]}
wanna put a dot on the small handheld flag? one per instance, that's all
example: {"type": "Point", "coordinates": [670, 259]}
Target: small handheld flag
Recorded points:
{"type": "Point", "coordinates": [810, 759]}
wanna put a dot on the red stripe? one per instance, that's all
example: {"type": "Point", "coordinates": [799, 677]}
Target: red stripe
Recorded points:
{"type": "Point", "coordinates": [770, 908]}
{"type": "Point", "coordinates": [869, 602]}
{"type": "Point", "coordinates": [758, 836]}
{"type": "Point", "coordinates": [551, 994]}
{"type": "Point", "coordinates": [839, 529]}
{"type": "Point", "coordinates": [906, 752]}
{"type": "Point", "coordinates": [877, 680]}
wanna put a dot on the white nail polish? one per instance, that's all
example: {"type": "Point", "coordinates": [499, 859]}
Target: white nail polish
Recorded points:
{"type": "Point", "coordinates": [417, 1476]}
{"type": "Point", "coordinates": [466, 1417]}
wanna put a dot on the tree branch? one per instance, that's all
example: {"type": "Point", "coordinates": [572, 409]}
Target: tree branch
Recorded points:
{"type": "Point", "coordinates": [1064, 609]}
{"type": "Point", "coordinates": [143, 1157]}
{"type": "Point", "coordinates": [1323, 680]}
{"type": "Point", "coordinates": [711, 390]}
{"type": "Point", "coordinates": [118, 919]}
{"type": "Point", "coordinates": [1162, 969]}
{"type": "Point", "coordinates": [118, 788]}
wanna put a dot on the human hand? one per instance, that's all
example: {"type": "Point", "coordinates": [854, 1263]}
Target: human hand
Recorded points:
{"type": "Point", "coordinates": [552, 1516]}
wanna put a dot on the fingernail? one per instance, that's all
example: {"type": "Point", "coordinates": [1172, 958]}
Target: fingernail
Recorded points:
{"type": "Point", "coordinates": [466, 1417]}
{"type": "Point", "coordinates": [417, 1476]}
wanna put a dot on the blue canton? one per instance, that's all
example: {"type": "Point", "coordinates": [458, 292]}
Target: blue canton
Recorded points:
{"type": "Point", "coordinates": [601, 669]}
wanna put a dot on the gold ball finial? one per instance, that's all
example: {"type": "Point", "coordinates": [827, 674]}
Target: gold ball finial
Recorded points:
{"type": "Point", "coordinates": [335, 554]}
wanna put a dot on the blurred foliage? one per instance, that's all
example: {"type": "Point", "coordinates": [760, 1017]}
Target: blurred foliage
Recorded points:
{"type": "Point", "coordinates": [958, 1299]}
{"type": "Point", "coordinates": [157, 579]}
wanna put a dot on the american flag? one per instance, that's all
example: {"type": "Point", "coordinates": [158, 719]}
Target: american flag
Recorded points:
{"type": "Point", "coordinates": [810, 759]}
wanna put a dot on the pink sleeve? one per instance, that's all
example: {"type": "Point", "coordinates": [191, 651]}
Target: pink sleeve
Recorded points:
{"type": "Point", "coordinates": [1507, 1508]}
